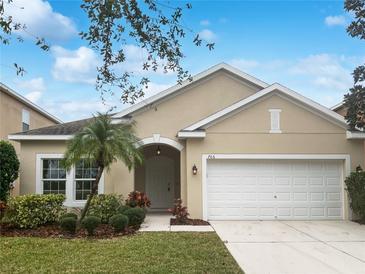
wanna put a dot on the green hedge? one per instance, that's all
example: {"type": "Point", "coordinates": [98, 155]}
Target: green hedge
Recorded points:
{"type": "Point", "coordinates": [104, 206]}
{"type": "Point", "coordinates": [119, 222]}
{"type": "Point", "coordinates": [30, 211]}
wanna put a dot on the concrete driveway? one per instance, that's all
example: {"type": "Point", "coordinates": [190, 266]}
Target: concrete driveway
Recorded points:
{"type": "Point", "coordinates": [295, 247]}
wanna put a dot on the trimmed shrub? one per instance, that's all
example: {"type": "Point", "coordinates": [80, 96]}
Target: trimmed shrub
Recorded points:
{"type": "Point", "coordinates": [68, 224]}
{"type": "Point", "coordinates": [104, 206]}
{"type": "Point", "coordinates": [179, 211]}
{"type": "Point", "coordinates": [135, 216]}
{"type": "Point", "coordinates": [31, 211]}
{"type": "Point", "coordinates": [138, 199]}
{"type": "Point", "coordinates": [356, 188]}
{"type": "Point", "coordinates": [69, 214]}
{"type": "Point", "coordinates": [119, 222]}
{"type": "Point", "coordinates": [90, 223]}
{"type": "Point", "coordinates": [122, 209]}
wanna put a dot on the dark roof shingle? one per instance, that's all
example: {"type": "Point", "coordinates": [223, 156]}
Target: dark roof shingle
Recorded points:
{"type": "Point", "coordinates": [69, 128]}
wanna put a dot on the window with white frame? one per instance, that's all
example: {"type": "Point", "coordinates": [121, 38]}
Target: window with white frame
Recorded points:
{"type": "Point", "coordinates": [25, 120]}
{"type": "Point", "coordinates": [53, 177]}
{"type": "Point", "coordinates": [76, 183]}
{"type": "Point", "coordinates": [275, 120]}
{"type": "Point", "coordinates": [85, 174]}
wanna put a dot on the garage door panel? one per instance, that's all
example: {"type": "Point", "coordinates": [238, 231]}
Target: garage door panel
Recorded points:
{"type": "Point", "coordinates": [316, 181]}
{"type": "Point", "coordinates": [300, 196]}
{"type": "Point", "coordinates": [300, 180]}
{"type": "Point", "coordinates": [274, 189]}
{"type": "Point", "coordinates": [334, 212]}
{"type": "Point", "coordinates": [333, 181]}
{"type": "Point", "coordinates": [333, 196]}
{"type": "Point", "coordinates": [282, 180]}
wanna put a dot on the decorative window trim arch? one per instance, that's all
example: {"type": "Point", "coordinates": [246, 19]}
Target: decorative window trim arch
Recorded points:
{"type": "Point", "coordinates": [157, 139]}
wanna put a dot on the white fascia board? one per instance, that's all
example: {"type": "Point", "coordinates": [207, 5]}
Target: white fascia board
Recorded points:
{"type": "Point", "coordinates": [335, 116]}
{"type": "Point", "coordinates": [337, 106]}
{"type": "Point", "coordinates": [196, 77]}
{"type": "Point", "coordinates": [355, 135]}
{"type": "Point", "coordinates": [39, 137]}
{"type": "Point", "coordinates": [29, 103]}
{"type": "Point", "coordinates": [191, 134]}
{"type": "Point", "coordinates": [116, 121]}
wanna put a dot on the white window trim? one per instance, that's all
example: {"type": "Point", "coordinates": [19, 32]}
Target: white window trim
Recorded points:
{"type": "Point", "coordinates": [274, 113]}
{"type": "Point", "coordinates": [70, 182]}
{"type": "Point", "coordinates": [205, 157]}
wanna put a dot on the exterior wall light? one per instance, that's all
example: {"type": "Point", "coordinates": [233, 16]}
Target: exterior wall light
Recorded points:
{"type": "Point", "coordinates": [195, 169]}
{"type": "Point", "coordinates": [158, 150]}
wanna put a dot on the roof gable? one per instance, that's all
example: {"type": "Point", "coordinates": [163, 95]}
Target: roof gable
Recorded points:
{"type": "Point", "coordinates": [312, 106]}
{"type": "Point", "coordinates": [170, 91]}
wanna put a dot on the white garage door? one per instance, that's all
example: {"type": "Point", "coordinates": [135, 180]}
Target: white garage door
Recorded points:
{"type": "Point", "coordinates": [274, 189]}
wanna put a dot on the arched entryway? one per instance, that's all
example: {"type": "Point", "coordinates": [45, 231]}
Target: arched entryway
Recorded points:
{"type": "Point", "coordinates": [159, 176]}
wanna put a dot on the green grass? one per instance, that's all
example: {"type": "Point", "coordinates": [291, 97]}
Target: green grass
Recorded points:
{"type": "Point", "coordinates": [149, 252]}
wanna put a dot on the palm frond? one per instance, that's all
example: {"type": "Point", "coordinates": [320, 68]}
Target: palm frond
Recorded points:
{"type": "Point", "coordinates": [103, 142]}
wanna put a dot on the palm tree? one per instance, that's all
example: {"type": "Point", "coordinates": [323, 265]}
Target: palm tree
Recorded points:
{"type": "Point", "coordinates": [101, 143]}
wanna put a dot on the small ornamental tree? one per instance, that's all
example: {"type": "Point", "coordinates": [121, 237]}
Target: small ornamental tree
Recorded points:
{"type": "Point", "coordinates": [356, 189]}
{"type": "Point", "coordinates": [9, 167]}
{"type": "Point", "coordinates": [179, 211]}
{"type": "Point", "coordinates": [103, 143]}
{"type": "Point", "coordinates": [354, 101]}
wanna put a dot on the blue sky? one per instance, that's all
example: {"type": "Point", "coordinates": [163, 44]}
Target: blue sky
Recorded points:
{"type": "Point", "coordinates": [301, 44]}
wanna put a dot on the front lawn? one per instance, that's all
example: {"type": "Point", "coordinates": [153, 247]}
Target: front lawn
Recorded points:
{"type": "Point", "coordinates": [149, 252]}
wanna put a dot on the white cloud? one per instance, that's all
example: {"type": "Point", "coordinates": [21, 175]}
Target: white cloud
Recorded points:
{"type": "Point", "coordinates": [80, 65]}
{"type": "Point", "coordinates": [74, 66]}
{"type": "Point", "coordinates": [325, 71]}
{"type": "Point", "coordinates": [154, 88]}
{"type": "Point", "coordinates": [248, 65]}
{"type": "Point", "coordinates": [336, 20]}
{"type": "Point", "coordinates": [208, 35]}
{"type": "Point", "coordinates": [244, 64]}
{"type": "Point", "coordinates": [40, 19]}
{"type": "Point", "coordinates": [324, 78]}
{"type": "Point", "coordinates": [34, 88]}
{"type": "Point", "coordinates": [205, 22]}
{"type": "Point", "coordinates": [135, 57]}
{"type": "Point", "coordinates": [69, 110]}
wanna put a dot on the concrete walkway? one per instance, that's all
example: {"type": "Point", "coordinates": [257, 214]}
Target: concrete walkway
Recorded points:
{"type": "Point", "coordinates": [295, 247]}
{"type": "Point", "coordinates": [161, 222]}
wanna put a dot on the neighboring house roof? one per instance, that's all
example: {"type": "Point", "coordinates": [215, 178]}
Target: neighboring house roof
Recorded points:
{"type": "Point", "coordinates": [170, 91]}
{"type": "Point", "coordinates": [333, 116]}
{"type": "Point", "coordinates": [338, 106]}
{"type": "Point", "coordinates": [64, 131]}
{"type": "Point", "coordinates": [28, 103]}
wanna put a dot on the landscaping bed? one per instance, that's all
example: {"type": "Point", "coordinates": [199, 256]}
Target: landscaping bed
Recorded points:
{"type": "Point", "coordinates": [103, 231]}
{"type": "Point", "coordinates": [173, 221]}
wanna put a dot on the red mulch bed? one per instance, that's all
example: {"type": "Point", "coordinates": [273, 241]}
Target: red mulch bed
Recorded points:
{"type": "Point", "coordinates": [189, 222]}
{"type": "Point", "coordinates": [53, 231]}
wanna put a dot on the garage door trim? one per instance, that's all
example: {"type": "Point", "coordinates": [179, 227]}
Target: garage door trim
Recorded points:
{"type": "Point", "coordinates": [213, 156]}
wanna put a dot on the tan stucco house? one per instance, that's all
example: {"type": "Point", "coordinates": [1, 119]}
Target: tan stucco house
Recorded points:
{"type": "Point", "coordinates": [231, 146]}
{"type": "Point", "coordinates": [18, 114]}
